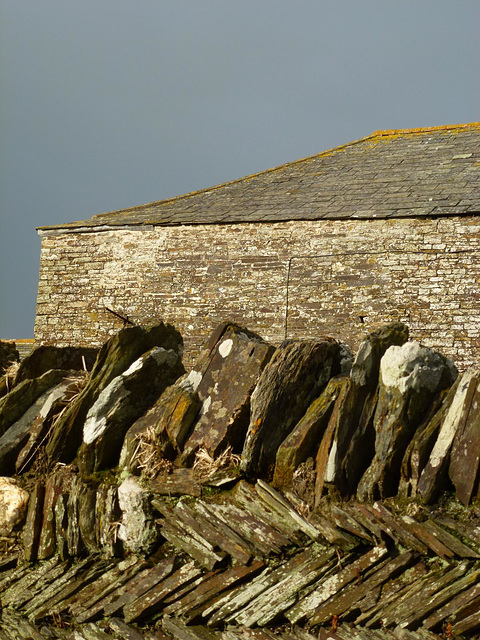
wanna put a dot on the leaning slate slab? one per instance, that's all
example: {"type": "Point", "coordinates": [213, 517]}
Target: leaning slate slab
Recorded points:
{"type": "Point", "coordinates": [170, 419]}
{"type": "Point", "coordinates": [410, 377]}
{"type": "Point", "coordinates": [465, 456]}
{"type": "Point", "coordinates": [15, 403]}
{"type": "Point", "coordinates": [116, 355]}
{"type": "Point", "coordinates": [435, 472]}
{"type": "Point", "coordinates": [304, 439]}
{"type": "Point", "coordinates": [122, 402]}
{"type": "Point", "coordinates": [296, 374]}
{"type": "Point", "coordinates": [44, 358]}
{"type": "Point", "coordinates": [362, 400]}
{"type": "Point", "coordinates": [17, 435]}
{"type": "Point", "coordinates": [224, 383]}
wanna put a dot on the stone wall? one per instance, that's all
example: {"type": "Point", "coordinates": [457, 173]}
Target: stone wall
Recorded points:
{"type": "Point", "coordinates": [289, 279]}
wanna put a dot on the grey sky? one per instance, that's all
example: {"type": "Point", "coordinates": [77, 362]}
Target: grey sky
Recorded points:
{"type": "Point", "coordinates": [107, 104]}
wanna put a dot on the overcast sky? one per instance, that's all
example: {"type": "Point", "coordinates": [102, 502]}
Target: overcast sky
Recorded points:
{"type": "Point", "coordinates": [107, 104]}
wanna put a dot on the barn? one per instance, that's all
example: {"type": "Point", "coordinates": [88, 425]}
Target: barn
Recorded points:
{"type": "Point", "coordinates": [379, 229]}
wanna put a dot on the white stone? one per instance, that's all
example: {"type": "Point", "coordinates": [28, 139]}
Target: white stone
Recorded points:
{"type": "Point", "coordinates": [411, 366]}
{"type": "Point", "coordinates": [136, 529]}
{"type": "Point", "coordinates": [13, 505]}
{"type": "Point", "coordinates": [225, 348]}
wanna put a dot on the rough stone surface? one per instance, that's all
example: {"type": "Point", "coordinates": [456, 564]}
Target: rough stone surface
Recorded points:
{"type": "Point", "coordinates": [284, 280]}
{"type": "Point", "coordinates": [137, 530]}
{"type": "Point", "coordinates": [16, 403]}
{"type": "Point", "coordinates": [228, 379]}
{"type": "Point", "coordinates": [116, 355]}
{"type": "Point", "coordinates": [55, 402]}
{"type": "Point", "coordinates": [13, 505]}
{"type": "Point", "coordinates": [44, 358]}
{"type": "Point", "coordinates": [306, 436]}
{"type": "Point", "coordinates": [366, 365]}
{"type": "Point", "coordinates": [170, 418]}
{"type": "Point", "coordinates": [465, 455]}
{"type": "Point", "coordinates": [410, 375]}
{"type": "Point", "coordinates": [336, 439]}
{"type": "Point", "coordinates": [122, 402]}
{"type": "Point", "coordinates": [296, 374]}
{"type": "Point", "coordinates": [436, 469]}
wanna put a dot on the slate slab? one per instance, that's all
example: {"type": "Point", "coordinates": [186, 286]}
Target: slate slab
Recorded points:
{"type": "Point", "coordinates": [170, 420]}
{"type": "Point", "coordinates": [304, 439]}
{"type": "Point", "coordinates": [294, 377]}
{"type": "Point", "coordinates": [18, 400]}
{"type": "Point", "coordinates": [411, 376]}
{"type": "Point", "coordinates": [464, 468]}
{"type": "Point", "coordinates": [46, 357]}
{"type": "Point", "coordinates": [432, 479]}
{"type": "Point", "coordinates": [224, 386]}
{"type": "Point", "coordinates": [115, 357]}
{"type": "Point", "coordinates": [122, 402]}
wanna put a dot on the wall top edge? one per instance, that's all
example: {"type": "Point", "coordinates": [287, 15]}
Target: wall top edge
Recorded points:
{"type": "Point", "coordinates": [62, 230]}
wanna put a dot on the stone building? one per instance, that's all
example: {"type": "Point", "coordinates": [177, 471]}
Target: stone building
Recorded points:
{"type": "Point", "coordinates": [386, 227]}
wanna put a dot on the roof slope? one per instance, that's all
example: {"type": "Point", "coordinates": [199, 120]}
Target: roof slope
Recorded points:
{"type": "Point", "coordinates": [389, 174]}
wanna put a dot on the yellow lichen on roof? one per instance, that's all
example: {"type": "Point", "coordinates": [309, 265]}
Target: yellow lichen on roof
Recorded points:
{"type": "Point", "coordinates": [448, 128]}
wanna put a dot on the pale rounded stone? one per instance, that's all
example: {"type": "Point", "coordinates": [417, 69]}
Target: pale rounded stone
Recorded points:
{"type": "Point", "coordinates": [412, 366]}
{"type": "Point", "coordinates": [137, 529]}
{"type": "Point", "coordinates": [13, 505]}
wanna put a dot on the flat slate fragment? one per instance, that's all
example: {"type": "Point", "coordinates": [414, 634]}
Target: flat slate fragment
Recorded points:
{"type": "Point", "coordinates": [147, 604]}
{"type": "Point", "coordinates": [195, 602]}
{"type": "Point", "coordinates": [142, 582]}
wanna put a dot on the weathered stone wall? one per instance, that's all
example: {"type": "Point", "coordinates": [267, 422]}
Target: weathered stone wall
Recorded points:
{"type": "Point", "coordinates": [289, 279]}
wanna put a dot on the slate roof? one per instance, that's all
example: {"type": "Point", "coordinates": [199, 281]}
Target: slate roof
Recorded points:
{"type": "Point", "coordinates": [390, 174]}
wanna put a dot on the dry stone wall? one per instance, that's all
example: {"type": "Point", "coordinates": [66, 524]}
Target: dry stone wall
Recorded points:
{"type": "Point", "coordinates": [283, 280]}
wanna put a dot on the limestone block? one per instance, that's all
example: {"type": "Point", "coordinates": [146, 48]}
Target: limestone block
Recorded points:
{"type": "Point", "coordinates": [137, 530]}
{"type": "Point", "coordinates": [13, 505]}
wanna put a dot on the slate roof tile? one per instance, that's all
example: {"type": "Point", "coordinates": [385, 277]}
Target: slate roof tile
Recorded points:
{"type": "Point", "coordinates": [389, 174]}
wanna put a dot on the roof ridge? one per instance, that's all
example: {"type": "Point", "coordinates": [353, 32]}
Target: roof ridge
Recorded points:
{"type": "Point", "coordinates": [443, 127]}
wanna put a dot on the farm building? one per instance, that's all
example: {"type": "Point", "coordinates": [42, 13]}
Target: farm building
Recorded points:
{"type": "Point", "coordinates": [382, 228]}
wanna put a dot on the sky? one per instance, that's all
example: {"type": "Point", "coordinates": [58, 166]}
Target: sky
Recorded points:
{"type": "Point", "coordinates": [106, 104]}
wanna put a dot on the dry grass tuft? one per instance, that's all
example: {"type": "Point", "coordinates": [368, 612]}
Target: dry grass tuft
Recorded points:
{"type": "Point", "coordinates": [10, 373]}
{"type": "Point", "coordinates": [205, 465]}
{"type": "Point", "coordinates": [303, 484]}
{"type": "Point", "coordinates": [150, 454]}
{"type": "Point", "coordinates": [74, 389]}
